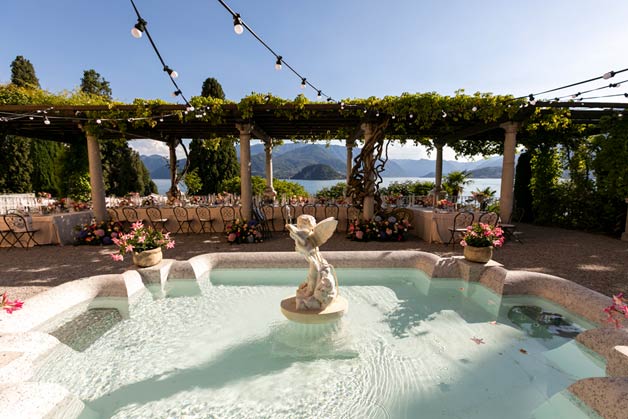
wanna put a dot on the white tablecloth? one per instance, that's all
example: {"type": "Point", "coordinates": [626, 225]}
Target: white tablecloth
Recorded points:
{"type": "Point", "coordinates": [55, 228]}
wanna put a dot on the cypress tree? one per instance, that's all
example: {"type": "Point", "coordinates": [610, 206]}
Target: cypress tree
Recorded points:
{"type": "Point", "coordinates": [15, 176]}
{"type": "Point", "coordinates": [94, 84]}
{"type": "Point", "coordinates": [23, 73]}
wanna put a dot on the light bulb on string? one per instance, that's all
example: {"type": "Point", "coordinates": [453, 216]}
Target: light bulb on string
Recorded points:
{"type": "Point", "coordinates": [171, 72]}
{"type": "Point", "coordinates": [46, 120]}
{"type": "Point", "coordinates": [318, 94]}
{"type": "Point", "coordinates": [532, 100]}
{"type": "Point", "coordinates": [608, 75]}
{"type": "Point", "coordinates": [394, 116]}
{"type": "Point", "coordinates": [237, 24]}
{"type": "Point", "coordinates": [98, 121]}
{"type": "Point", "coordinates": [411, 116]}
{"type": "Point", "coordinates": [474, 109]}
{"type": "Point", "coordinates": [444, 114]}
{"type": "Point", "coordinates": [176, 93]}
{"type": "Point", "coordinates": [303, 83]}
{"type": "Point", "coordinates": [138, 29]}
{"type": "Point", "coordinates": [278, 63]}
{"type": "Point", "coordinates": [31, 118]}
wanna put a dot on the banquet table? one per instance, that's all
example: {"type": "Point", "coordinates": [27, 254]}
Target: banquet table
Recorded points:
{"type": "Point", "coordinates": [55, 228]}
{"type": "Point", "coordinates": [433, 225]}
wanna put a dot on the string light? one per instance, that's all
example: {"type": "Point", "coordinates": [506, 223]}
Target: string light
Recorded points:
{"type": "Point", "coordinates": [46, 120]}
{"type": "Point", "coordinates": [608, 75]}
{"type": "Point", "coordinates": [444, 114]}
{"type": "Point", "coordinates": [171, 72]}
{"type": "Point", "coordinates": [138, 30]}
{"type": "Point", "coordinates": [318, 95]}
{"type": "Point", "coordinates": [237, 24]}
{"type": "Point", "coordinates": [176, 93]}
{"type": "Point", "coordinates": [474, 109]}
{"type": "Point", "coordinates": [98, 121]}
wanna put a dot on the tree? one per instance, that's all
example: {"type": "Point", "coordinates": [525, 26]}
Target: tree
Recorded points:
{"type": "Point", "coordinates": [123, 170]}
{"type": "Point", "coordinates": [212, 88]}
{"type": "Point", "coordinates": [15, 175]}
{"type": "Point", "coordinates": [214, 159]}
{"type": "Point", "coordinates": [523, 178]}
{"type": "Point", "coordinates": [93, 83]}
{"type": "Point", "coordinates": [45, 156]}
{"type": "Point", "coordinates": [23, 73]}
{"type": "Point", "coordinates": [455, 181]}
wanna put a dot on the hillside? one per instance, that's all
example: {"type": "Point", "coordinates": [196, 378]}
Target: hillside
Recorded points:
{"type": "Point", "coordinates": [290, 158]}
{"type": "Point", "coordinates": [318, 172]}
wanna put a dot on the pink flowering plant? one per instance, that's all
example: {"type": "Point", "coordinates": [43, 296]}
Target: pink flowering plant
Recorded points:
{"type": "Point", "coordinates": [97, 233]}
{"type": "Point", "coordinates": [617, 310]}
{"type": "Point", "coordinates": [483, 235]}
{"type": "Point", "coordinates": [8, 305]}
{"type": "Point", "coordinates": [379, 228]}
{"type": "Point", "coordinates": [139, 239]}
{"type": "Point", "coordinates": [244, 232]}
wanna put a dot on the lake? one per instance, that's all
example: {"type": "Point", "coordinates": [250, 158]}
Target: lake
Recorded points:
{"type": "Point", "coordinates": [313, 186]}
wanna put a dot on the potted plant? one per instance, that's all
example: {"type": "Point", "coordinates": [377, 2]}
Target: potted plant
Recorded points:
{"type": "Point", "coordinates": [145, 243]}
{"type": "Point", "coordinates": [478, 242]}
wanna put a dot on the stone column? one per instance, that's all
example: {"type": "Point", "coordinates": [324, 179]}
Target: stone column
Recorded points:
{"type": "Point", "coordinates": [269, 192]}
{"type": "Point", "coordinates": [508, 170]}
{"type": "Point", "coordinates": [624, 236]}
{"type": "Point", "coordinates": [350, 145]}
{"type": "Point", "coordinates": [246, 189]}
{"type": "Point", "coordinates": [95, 179]}
{"type": "Point", "coordinates": [438, 171]}
{"type": "Point", "coordinates": [368, 211]}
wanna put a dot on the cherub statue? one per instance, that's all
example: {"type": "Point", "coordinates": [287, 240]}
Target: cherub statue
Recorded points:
{"type": "Point", "coordinates": [321, 286]}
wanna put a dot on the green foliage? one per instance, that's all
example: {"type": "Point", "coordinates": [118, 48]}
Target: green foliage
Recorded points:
{"type": "Point", "coordinates": [94, 84]}
{"type": "Point", "coordinates": [23, 73]}
{"type": "Point", "coordinates": [15, 165]}
{"type": "Point", "coordinates": [546, 171]}
{"type": "Point", "coordinates": [212, 88]}
{"type": "Point", "coordinates": [333, 192]}
{"type": "Point", "coordinates": [45, 156]}
{"type": "Point", "coordinates": [408, 188]}
{"type": "Point", "coordinates": [123, 170]}
{"type": "Point", "coordinates": [215, 161]}
{"type": "Point", "coordinates": [455, 181]}
{"type": "Point", "coordinates": [193, 181]}
{"type": "Point", "coordinates": [78, 187]}
{"type": "Point", "coordinates": [287, 188]}
{"type": "Point", "coordinates": [75, 166]}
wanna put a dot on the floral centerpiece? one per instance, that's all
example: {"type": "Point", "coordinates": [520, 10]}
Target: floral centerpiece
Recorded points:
{"type": "Point", "coordinates": [478, 242]}
{"type": "Point", "coordinates": [98, 233]}
{"type": "Point", "coordinates": [79, 206]}
{"type": "Point", "coordinates": [379, 228]}
{"type": "Point", "coordinates": [141, 238]}
{"type": "Point", "coordinates": [243, 232]}
{"type": "Point", "coordinates": [483, 235]}
{"type": "Point", "coordinates": [8, 305]}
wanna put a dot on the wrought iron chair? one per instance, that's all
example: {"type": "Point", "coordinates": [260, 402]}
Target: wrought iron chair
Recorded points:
{"type": "Point", "coordinates": [156, 219]}
{"type": "Point", "coordinates": [228, 215]}
{"type": "Point", "coordinates": [332, 210]}
{"type": "Point", "coordinates": [183, 220]}
{"type": "Point", "coordinates": [268, 211]}
{"type": "Point", "coordinates": [289, 214]}
{"type": "Point", "coordinates": [205, 219]}
{"type": "Point", "coordinates": [510, 228]}
{"type": "Point", "coordinates": [309, 209]}
{"type": "Point", "coordinates": [20, 229]}
{"type": "Point", "coordinates": [461, 221]}
{"type": "Point", "coordinates": [113, 215]}
{"type": "Point", "coordinates": [130, 217]}
{"type": "Point", "coordinates": [491, 218]}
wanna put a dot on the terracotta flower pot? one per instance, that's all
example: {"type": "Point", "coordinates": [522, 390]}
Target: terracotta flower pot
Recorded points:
{"type": "Point", "coordinates": [478, 254]}
{"type": "Point", "coordinates": [147, 258]}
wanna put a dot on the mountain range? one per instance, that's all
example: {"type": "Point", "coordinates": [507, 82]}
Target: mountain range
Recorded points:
{"type": "Point", "coordinates": [290, 158]}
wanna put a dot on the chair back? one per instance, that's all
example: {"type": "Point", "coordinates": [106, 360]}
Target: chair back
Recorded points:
{"type": "Point", "coordinates": [113, 214]}
{"type": "Point", "coordinates": [180, 213]}
{"type": "Point", "coordinates": [403, 214]}
{"type": "Point", "coordinates": [203, 213]}
{"type": "Point", "coordinates": [228, 214]}
{"type": "Point", "coordinates": [16, 222]}
{"type": "Point", "coordinates": [269, 213]}
{"type": "Point", "coordinates": [309, 209]}
{"type": "Point", "coordinates": [130, 214]}
{"type": "Point", "coordinates": [463, 219]}
{"type": "Point", "coordinates": [491, 218]}
{"type": "Point", "coordinates": [289, 214]}
{"type": "Point", "coordinates": [154, 214]}
{"type": "Point", "coordinates": [332, 210]}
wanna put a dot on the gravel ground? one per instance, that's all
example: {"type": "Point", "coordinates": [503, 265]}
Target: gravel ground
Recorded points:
{"type": "Point", "coordinates": [596, 261]}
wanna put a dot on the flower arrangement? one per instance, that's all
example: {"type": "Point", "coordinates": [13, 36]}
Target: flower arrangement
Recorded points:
{"type": "Point", "coordinates": [389, 229]}
{"type": "Point", "coordinates": [44, 195]}
{"type": "Point", "coordinates": [443, 203]}
{"type": "Point", "coordinates": [617, 309]}
{"type": "Point", "coordinates": [98, 233]}
{"type": "Point", "coordinates": [79, 206]}
{"type": "Point", "coordinates": [139, 239]}
{"type": "Point", "coordinates": [8, 305]}
{"type": "Point", "coordinates": [243, 232]}
{"type": "Point", "coordinates": [482, 235]}
{"type": "Point", "coordinates": [393, 198]}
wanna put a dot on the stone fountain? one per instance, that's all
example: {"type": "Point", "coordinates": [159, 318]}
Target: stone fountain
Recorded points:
{"type": "Point", "coordinates": [317, 299]}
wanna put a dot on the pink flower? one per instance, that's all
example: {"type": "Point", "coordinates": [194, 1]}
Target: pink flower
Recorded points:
{"type": "Point", "coordinates": [117, 257]}
{"type": "Point", "coordinates": [137, 225]}
{"type": "Point", "coordinates": [231, 237]}
{"type": "Point", "coordinates": [359, 234]}
{"type": "Point", "coordinates": [170, 244]}
{"type": "Point", "coordinates": [463, 243]}
{"type": "Point", "coordinates": [100, 232]}
{"type": "Point", "coordinates": [10, 306]}
{"type": "Point", "coordinates": [128, 248]}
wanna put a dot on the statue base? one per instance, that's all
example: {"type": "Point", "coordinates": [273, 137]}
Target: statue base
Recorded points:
{"type": "Point", "coordinates": [331, 313]}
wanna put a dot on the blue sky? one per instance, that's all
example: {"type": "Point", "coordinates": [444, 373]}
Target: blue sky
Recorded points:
{"type": "Point", "coordinates": [349, 48]}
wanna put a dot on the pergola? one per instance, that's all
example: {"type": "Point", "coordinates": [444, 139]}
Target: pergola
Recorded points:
{"type": "Point", "coordinates": [267, 123]}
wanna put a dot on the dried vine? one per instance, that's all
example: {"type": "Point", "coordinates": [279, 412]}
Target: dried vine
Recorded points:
{"type": "Point", "coordinates": [367, 168]}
